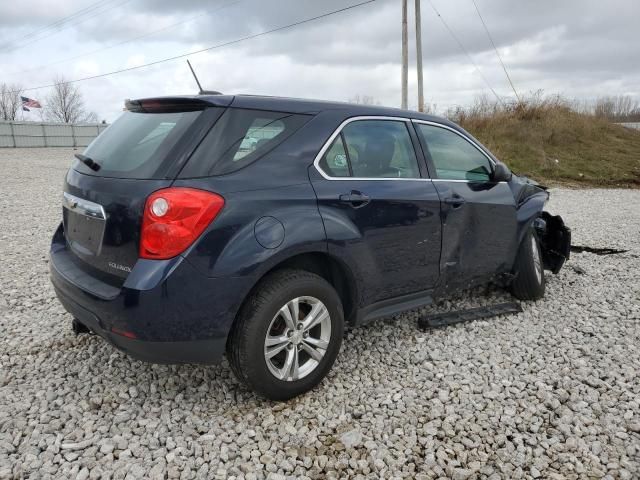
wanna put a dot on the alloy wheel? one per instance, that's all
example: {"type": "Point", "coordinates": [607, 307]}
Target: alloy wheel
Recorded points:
{"type": "Point", "coordinates": [297, 338]}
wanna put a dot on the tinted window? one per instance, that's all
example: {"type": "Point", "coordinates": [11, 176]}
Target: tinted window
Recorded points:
{"type": "Point", "coordinates": [137, 145]}
{"type": "Point", "coordinates": [374, 149]}
{"type": "Point", "coordinates": [454, 157]}
{"type": "Point", "coordinates": [239, 138]}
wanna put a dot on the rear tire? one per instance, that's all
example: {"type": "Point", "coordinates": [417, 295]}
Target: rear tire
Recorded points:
{"type": "Point", "coordinates": [278, 346]}
{"type": "Point", "coordinates": [529, 283]}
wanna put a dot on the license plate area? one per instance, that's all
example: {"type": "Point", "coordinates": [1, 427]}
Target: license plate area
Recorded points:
{"type": "Point", "coordinates": [84, 224]}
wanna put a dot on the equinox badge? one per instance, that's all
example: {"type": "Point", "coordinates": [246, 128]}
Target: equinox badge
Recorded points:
{"type": "Point", "coordinates": [117, 266]}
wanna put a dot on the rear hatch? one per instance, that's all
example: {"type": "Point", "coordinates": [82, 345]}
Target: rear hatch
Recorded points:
{"type": "Point", "coordinates": [106, 188]}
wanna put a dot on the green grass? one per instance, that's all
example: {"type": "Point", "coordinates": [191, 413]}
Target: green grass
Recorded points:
{"type": "Point", "coordinates": [549, 142]}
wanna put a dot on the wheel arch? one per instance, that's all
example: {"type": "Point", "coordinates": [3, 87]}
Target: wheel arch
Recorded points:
{"type": "Point", "coordinates": [332, 269]}
{"type": "Point", "coordinates": [553, 235]}
{"type": "Point", "coordinates": [527, 212]}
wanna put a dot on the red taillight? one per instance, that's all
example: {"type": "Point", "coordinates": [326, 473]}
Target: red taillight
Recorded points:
{"type": "Point", "coordinates": [174, 218]}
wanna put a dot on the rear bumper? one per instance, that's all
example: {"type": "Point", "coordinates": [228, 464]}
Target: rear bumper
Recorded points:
{"type": "Point", "coordinates": [179, 316]}
{"type": "Point", "coordinates": [195, 351]}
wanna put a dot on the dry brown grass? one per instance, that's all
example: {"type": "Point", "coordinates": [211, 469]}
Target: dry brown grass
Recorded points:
{"type": "Point", "coordinates": [544, 138]}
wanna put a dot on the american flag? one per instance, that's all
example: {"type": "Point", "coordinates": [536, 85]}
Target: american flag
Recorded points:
{"type": "Point", "coordinates": [29, 102]}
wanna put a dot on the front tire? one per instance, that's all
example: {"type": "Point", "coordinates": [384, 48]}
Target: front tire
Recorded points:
{"type": "Point", "coordinates": [287, 335]}
{"type": "Point", "coordinates": [529, 283]}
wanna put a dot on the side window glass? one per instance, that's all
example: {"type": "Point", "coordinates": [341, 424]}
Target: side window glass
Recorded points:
{"type": "Point", "coordinates": [335, 162]}
{"type": "Point", "coordinates": [258, 134]}
{"type": "Point", "coordinates": [380, 149]}
{"type": "Point", "coordinates": [238, 138]}
{"type": "Point", "coordinates": [454, 157]}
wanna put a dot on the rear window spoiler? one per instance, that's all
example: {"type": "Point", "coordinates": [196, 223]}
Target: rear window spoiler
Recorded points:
{"type": "Point", "coordinates": [177, 104]}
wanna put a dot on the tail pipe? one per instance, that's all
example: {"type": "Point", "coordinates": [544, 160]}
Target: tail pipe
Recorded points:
{"type": "Point", "coordinates": [79, 327]}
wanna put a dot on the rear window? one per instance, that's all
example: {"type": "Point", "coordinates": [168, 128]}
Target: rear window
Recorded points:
{"type": "Point", "coordinates": [239, 138]}
{"type": "Point", "coordinates": [138, 145]}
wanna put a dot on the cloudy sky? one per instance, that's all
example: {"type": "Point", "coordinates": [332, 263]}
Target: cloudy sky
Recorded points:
{"type": "Point", "coordinates": [580, 48]}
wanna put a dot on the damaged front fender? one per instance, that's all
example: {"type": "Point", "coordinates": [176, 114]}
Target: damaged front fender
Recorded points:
{"type": "Point", "coordinates": [555, 240]}
{"type": "Point", "coordinates": [553, 234]}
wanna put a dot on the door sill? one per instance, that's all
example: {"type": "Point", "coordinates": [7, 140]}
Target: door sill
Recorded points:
{"type": "Point", "coordinates": [393, 306]}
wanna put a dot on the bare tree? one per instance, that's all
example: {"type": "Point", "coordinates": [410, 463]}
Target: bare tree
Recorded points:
{"type": "Point", "coordinates": [9, 101]}
{"type": "Point", "coordinates": [618, 108]}
{"type": "Point", "coordinates": [91, 117]}
{"type": "Point", "coordinates": [364, 100]}
{"type": "Point", "coordinates": [65, 104]}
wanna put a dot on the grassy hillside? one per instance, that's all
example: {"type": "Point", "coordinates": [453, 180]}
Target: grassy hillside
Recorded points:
{"type": "Point", "coordinates": [551, 143]}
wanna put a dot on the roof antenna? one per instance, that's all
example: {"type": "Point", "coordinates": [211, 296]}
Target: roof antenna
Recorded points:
{"type": "Point", "coordinates": [201, 91]}
{"type": "Point", "coordinates": [195, 76]}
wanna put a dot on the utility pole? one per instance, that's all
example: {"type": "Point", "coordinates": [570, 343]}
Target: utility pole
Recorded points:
{"type": "Point", "coordinates": [419, 57]}
{"type": "Point", "coordinates": [405, 55]}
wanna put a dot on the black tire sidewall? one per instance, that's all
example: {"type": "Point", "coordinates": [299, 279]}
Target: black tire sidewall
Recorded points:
{"type": "Point", "coordinates": [526, 286]}
{"type": "Point", "coordinates": [257, 373]}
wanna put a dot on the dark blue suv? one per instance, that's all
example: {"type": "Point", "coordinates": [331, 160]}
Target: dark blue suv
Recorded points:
{"type": "Point", "coordinates": [262, 227]}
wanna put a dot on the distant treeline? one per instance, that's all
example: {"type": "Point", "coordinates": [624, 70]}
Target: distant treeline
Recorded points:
{"type": "Point", "coordinates": [619, 108]}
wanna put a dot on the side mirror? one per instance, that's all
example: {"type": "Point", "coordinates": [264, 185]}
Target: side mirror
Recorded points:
{"type": "Point", "coordinates": [501, 173]}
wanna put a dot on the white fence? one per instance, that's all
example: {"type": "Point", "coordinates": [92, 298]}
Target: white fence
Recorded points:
{"type": "Point", "coordinates": [33, 134]}
{"type": "Point", "coordinates": [635, 125]}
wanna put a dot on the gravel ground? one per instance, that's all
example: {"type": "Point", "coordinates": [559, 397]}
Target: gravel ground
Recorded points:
{"type": "Point", "coordinates": [552, 392]}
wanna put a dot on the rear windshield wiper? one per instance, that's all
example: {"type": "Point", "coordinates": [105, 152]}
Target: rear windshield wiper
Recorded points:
{"type": "Point", "coordinates": [88, 162]}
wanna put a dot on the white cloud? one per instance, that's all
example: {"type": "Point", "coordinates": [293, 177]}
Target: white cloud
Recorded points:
{"type": "Point", "coordinates": [135, 60]}
{"type": "Point", "coordinates": [85, 68]}
{"type": "Point", "coordinates": [582, 48]}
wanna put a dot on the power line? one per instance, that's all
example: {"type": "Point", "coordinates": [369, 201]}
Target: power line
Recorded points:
{"type": "Point", "coordinates": [148, 34]}
{"type": "Point", "coordinates": [213, 47]}
{"type": "Point", "coordinates": [82, 20]}
{"type": "Point", "coordinates": [56, 23]}
{"type": "Point", "coordinates": [78, 22]}
{"type": "Point", "coordinates": [495, 49]}
{"type": "Point", "coordinates": [453, 35]}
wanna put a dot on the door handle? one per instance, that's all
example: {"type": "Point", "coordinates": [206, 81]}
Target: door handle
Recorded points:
{"type": "Point", "coordinates": [456, 201]}
{"type": "Point", "coordinates": [355, 198]}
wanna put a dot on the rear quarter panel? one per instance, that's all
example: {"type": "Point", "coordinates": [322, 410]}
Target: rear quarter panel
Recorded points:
{"type": "Point", "coordinates": [230, 247]}
{"type": "Point", "coordinates": [276, 186]}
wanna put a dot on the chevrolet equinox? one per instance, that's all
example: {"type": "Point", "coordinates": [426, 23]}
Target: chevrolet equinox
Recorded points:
{"type": "Point", "coordinates": [263, 227]}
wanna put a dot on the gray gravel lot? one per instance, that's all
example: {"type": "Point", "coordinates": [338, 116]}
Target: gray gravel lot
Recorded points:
{"type": "Point", "coordinates": [553, 392]}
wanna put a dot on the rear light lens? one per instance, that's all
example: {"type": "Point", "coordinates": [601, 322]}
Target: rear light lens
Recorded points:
{"type": "Point", "coordinates": [123, 333]}
{"type": "Point", "coordinates": [160, 207]}
{"type": "Point", "coordinates": [174, 218]}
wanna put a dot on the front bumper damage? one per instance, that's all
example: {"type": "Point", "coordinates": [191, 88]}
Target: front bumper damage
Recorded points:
{"type": "Point", "coordinates": [555, 240]}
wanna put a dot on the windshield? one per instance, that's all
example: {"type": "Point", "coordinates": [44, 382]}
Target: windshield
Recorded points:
{"type": "Point", "coordinates": [137, 145]}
